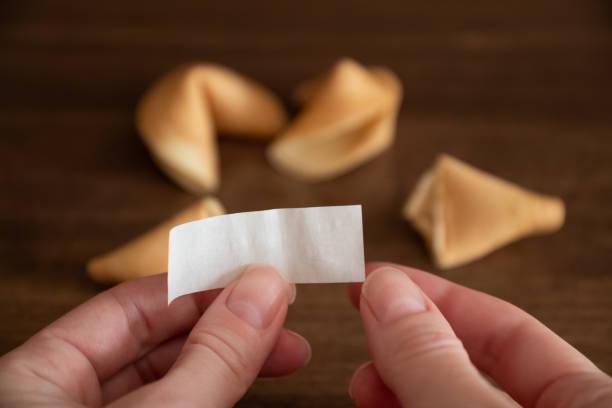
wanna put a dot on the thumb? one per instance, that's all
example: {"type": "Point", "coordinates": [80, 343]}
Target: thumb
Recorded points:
{"type": "Point", "coordinates": [414, 349]}
{"type": "Point", "coordinates": [227, 347]}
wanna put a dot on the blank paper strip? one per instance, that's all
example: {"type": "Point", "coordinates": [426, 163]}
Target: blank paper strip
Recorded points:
{"type": "Point", "coordinates": [306, 245]}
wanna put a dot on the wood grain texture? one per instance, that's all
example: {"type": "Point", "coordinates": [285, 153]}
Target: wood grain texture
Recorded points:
{"type": "Point", "coordinates": [521, 89]}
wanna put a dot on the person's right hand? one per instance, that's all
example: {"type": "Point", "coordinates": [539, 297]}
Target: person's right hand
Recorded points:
{"type": "Point", "coordinates": [429, 337]}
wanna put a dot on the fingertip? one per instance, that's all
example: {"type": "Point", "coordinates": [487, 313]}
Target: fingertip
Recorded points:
{"type": "Point", "coordinates": [201, 299]}
{"type": "Point", "coordinates": [392, 295]}
{"type": "Point", "coordinates": [272, 274]}
{"type": "Point", "coordinates": [292, 293]}
{"type": "Point", "coordinates": [358, 378]}
{"type": "Point", "coordinates": [372, 266]}
{"type": "Point", "coordinates": [353, 290]}
{"type": "Point", "coordinates": [307, 355]}
{"type": "Point", "coordinates": [368, 390]}
{"type": "Point", "coordinates": [290, 353]}
{"type": "Point", "coordinates": [258, 296]}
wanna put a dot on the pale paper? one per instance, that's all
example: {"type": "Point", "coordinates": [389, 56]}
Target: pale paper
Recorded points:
{"type": "Point", "coordinates": [306, 245]}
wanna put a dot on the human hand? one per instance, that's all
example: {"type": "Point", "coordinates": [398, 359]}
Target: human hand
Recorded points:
{"type": "Point", "coordinates": [428, 342]}
{"type": "Point", "coordinates": [127, 347]}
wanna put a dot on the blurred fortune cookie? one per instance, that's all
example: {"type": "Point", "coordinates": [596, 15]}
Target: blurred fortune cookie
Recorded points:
{"type": "Point", "coordinates": [148, 253]}
{"type": "Point", "coordinates": [348, 118]}
{"type": "Point", "coordinates": [179, 115]}
{"type": "Point", "coordinates": [464, 213]}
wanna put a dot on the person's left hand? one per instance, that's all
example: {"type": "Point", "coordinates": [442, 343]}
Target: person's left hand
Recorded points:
{"type": "Point", "coordinates": [128, 347]}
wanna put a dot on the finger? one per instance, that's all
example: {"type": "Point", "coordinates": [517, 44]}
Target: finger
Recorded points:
{"type": "Point", "coordinates": [369, 391]}
{"type": "Point", "coordinates": [226, 348]}
{"type": "Point", "coordinates": [290, 353]}
{"type": "Point", "coordinates": [118, 326]}
{"type": "Point", "coordinates": [524, 357]}
{"type": "Point", "coordinates": [148, 368]}
{"type": "Point", "coordinates": [414, 349]}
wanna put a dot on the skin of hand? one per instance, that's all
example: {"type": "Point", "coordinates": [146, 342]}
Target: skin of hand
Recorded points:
{"type": "Point", "coordinates": [429, 338]}
{"type": "Point", "coordinates": [127, 347]}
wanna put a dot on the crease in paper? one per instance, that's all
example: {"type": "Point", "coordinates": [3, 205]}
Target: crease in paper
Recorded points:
{"type": "Point", "coordinates": [306, 245]}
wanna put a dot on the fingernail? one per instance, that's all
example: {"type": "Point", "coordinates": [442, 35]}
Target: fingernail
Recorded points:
{"type": "Point", "coordinates": [307, 347]}
{"type": "Point", "coordinates": [292, 293]}
{"type": "Point", "coordinates": [353, 384]}
{"type": "Point", "coordinates": [391, 294]}
{"type": "Point", "coordinates": [256, 297]}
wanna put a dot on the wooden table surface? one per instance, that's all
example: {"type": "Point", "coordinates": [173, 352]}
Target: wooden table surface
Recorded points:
{"type": "Point", "coordinates": [521, 89]}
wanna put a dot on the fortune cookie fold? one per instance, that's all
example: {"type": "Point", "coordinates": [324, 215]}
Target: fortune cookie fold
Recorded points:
{"type": "Point", "coordinates": [464, 213]}
{"type": "Point", "coordinates": [148, 253]}
{"type": "Point", "coordinates": [178, 116]}
{"type": "Point", "coordinates": [349, 117]}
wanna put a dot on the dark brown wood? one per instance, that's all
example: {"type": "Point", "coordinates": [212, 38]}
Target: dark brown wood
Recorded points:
{"type": "Point", "coordinates": [521, 89]}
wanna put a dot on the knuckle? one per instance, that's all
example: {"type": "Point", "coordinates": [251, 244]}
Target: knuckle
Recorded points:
{"type": "Point", "coordinates": [11, 363]}
{"type": "Point", "coordinates": [138, 324]}
{"type": "Point", "coordinates": [146, 370]}
{"type": "Point", "coordinates": [587, 389]}
{"type": "Point", "coordinates": [225, 348]}
{"type": "Point", "coordinates": [427, 343]}
{"type": "Point", "coordinates": [496, 348]}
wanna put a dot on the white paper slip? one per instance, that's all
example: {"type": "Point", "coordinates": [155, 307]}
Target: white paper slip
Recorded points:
{"type": "Point", "coordinates": [306, 245]}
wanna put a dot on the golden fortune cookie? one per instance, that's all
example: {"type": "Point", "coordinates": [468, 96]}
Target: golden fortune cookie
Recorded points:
{"type": "Point", "coordinates": [349, 117]}
{"type": "Point", "coordinates": [464, 213]}
{"type": "Point", "coordinates": [148, 253]}
{"type": "Point", "coordinates": [180, 114]}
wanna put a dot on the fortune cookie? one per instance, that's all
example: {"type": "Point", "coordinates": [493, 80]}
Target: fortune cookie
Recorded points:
{"type": "Point", "coordinates": [349, 117]}
{"type": "Point", "coordinates": [148, 253]}
{"type": "Point", "coordinates": [178, 116]}
{"type": "Point", "coordinates": [464, 213]}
